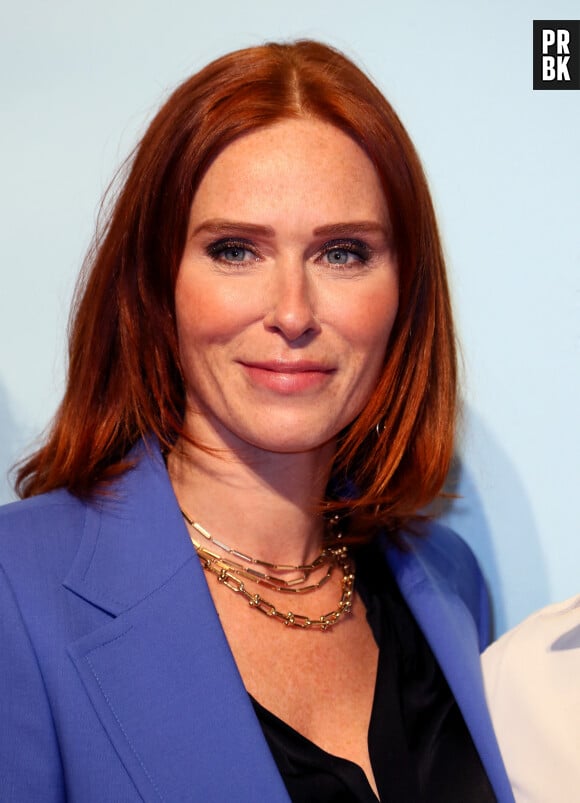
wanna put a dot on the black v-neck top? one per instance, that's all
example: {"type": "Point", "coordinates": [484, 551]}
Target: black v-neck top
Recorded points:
{"type": "Point", "coordinates": [419, 745]}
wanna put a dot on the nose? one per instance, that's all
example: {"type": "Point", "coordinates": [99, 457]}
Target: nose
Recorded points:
{"type": "Point", "coordinates": [292, 302]}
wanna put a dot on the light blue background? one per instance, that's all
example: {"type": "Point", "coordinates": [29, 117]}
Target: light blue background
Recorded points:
{"type": "Point", "coordinates": [79, 82]}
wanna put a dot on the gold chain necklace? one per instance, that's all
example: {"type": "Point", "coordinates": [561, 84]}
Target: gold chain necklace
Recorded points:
{"type": "Point", "coordinates": [274, 583]}
{"type": "Point", "coordinates": [226, 572]}
{"type": "Point", "coordinates": [305, 569]}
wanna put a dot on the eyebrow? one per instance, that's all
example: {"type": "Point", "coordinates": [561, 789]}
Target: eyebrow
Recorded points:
{"type": "Point", "coordinates": [350, 227]}
{"type": "Point", "coordinates": [220, 226]}
{"type": "Point", "coordinates": [343, 229]}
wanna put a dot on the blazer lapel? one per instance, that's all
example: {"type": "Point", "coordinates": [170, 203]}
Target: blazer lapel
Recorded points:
{"type": "Point", "coordinates": [159, 671]}
{"type": "Point", "coordinates": [160, 674]}
{"type": "Point", "coordinates": [451, 633]}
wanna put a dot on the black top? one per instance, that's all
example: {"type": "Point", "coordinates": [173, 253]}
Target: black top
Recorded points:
{"type": "Point", "coordinates": [419, 745]}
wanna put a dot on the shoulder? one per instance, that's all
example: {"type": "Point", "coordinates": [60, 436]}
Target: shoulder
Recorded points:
{"type": "Point", "coordinates": [531, 683]}
{"type": "Point", "coordinates": [40, 535]}
{"type": "Point", "coordinates": [543, 643]}
{"type": "Point", "coordinates": [58, 509]}
{"type": "Point", "coordinates": [18, 515]}
{"type": "Point", "coordinates": [441, 546]}
{"type": "Point", "coordinates": [435, 557]}
{"type": "Point", "coordinates": [446, 559]}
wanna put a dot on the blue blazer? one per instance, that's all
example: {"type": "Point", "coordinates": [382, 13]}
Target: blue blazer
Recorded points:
{"type": "Point", "coordinates": [116, 681]}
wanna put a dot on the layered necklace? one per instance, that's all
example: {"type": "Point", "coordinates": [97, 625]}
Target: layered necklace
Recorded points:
{"type": "Point", "coordinates": [235, 570]}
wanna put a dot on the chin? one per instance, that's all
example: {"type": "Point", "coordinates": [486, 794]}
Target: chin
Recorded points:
{"type": "Point", "coordinates": [292, 445]}
{"type": "Point", "coordinates": [289, 438]}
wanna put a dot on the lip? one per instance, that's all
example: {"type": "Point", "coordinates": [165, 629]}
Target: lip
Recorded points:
{"type": "Point", "coordinates": [288, 377]}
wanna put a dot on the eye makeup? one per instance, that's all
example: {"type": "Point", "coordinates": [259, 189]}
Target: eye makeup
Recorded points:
{"type": "Point", "coordinates": [357, 249]}
{"type": "Point", "coordinates": [231, 250]}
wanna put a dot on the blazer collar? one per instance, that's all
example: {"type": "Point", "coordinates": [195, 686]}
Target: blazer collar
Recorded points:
{"type": "Point", "coordinates": [160, 674]}
{"type": "Point", "coordinates": [134, 538]}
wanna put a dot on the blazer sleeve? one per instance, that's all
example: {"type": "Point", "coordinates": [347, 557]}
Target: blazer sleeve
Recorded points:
{"type": "Point", "coordinates": [30, 764]}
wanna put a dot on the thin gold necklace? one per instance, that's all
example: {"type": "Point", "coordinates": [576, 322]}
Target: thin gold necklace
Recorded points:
{"type": "Point", "coordinates": [279, 567]}
{"type": "Point", "coordinates": [232, 576]}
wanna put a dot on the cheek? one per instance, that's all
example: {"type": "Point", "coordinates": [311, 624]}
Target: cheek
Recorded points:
{"type": "Point", "coordinates": [205, 316]}
{"type": "Point", "coordinates": [368, 324]}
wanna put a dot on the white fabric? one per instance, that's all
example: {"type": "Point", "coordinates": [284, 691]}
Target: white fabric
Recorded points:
{"type": "Point", "coordinates": [532, 678]}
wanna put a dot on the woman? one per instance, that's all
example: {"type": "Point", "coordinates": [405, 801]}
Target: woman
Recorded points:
{"type": "Point", "coordinates": [200, 602]}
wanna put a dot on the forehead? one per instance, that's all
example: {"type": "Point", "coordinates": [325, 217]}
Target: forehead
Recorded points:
{"type": "Point", "coordinates": [297, 167]}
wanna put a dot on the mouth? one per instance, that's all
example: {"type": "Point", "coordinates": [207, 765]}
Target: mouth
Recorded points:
{"type": "Point", "coordinates": [290, 366]}
{"type": "Point", "coordinates": [288, 377]}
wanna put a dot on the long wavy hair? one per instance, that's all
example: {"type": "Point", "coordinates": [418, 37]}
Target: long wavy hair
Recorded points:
{"type": "Point", "coordinates": [124, 379]}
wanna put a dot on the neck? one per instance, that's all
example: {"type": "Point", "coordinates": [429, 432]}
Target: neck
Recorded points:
{"type": "Point", "coordinates": [264, 506]}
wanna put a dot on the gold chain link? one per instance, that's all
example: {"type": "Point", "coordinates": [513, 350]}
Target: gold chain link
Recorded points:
{"type": "Point", "coordinates": [225, 575]}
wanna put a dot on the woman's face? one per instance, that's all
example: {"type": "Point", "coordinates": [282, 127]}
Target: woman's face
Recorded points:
{"type": "Point", "coordinates": [287, 289]}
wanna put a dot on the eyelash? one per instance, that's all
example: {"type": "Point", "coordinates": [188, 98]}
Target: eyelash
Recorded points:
{"type": "Point", "coordinates": [216, 250]}
{"type": "Point", "coordinates": [357, 248]}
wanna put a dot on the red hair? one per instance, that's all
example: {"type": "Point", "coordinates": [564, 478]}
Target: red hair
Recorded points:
{"type": "Point", "coordinates": [124, 377]}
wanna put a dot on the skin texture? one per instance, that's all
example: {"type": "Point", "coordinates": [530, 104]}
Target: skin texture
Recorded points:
{"type": "Point", "coordinates": [285, 299]}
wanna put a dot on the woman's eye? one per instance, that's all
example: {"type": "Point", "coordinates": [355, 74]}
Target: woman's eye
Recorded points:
{"type": "Point", "coordinates": [231, 252]}
{"type": "Point", "coordinates": [346, 253]}
{"type": "Point", "coordinates": [339, 256]}
{"type": "Point", "coordinates": [234, 253]}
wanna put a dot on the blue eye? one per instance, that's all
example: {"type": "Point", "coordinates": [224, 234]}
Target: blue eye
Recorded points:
{"type": "Point", "coordinates": [346, 252]}
{"type": "Point", "coordinates": [338, 256]}
{"type": "Point", "coordinates": [231, 251]}
{"type": "Point", "coordinates": [234, 253]}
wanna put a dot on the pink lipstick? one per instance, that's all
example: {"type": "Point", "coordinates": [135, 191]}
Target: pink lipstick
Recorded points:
{"type": "Point", "coordinates": [288, 377]}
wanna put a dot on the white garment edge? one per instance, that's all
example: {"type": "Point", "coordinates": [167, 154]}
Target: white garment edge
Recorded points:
{"type": "Point", "coordinates": [532, 684]}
